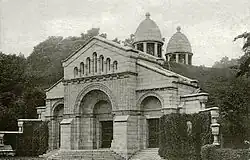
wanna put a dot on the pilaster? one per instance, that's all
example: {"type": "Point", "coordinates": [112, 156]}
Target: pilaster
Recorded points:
{"type": "Point", "coordinates": [66, 134]}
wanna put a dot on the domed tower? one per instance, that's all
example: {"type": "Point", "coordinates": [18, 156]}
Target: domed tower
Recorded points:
{"type": "Point", "coordinates": [148, 37]}
{"type": "Point", "coordinates": [179, 49]}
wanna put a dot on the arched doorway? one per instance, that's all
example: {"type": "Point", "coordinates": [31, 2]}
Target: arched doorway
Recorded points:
{"type": "Point", "coordinates": [96, 127]}
{"type": "Point", "coordinates": [151, 108]}
{"type": "Point", "coordinates": [57, 118]}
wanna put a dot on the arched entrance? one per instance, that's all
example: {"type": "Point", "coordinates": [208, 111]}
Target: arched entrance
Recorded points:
{"type": "Point", "coordinates": [151, 108]}
{"type": "Point", "coordinates": [96, 127]}
{"type": "Point", "coordinates": [57, 118]}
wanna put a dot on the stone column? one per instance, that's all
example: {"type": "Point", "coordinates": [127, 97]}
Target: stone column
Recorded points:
{"type": "Point", "coordinates": [91, 132]}
{"type": "Point", "coordinates": [186, 58]}
{"type": "Point", "coordinates": [112, 68]}
{"type": "Point", "coordinates": [156, 51]}
{"type": "Point", "coordinates": [51, 135]}
{"type": "Point", "coordinates": [177, 57]}
{"type": "Point", "coordinates": [1, 140]}
{"type": "Point", "coordinates": [136, 46]}
{"type": "Point", "coordinates": [144, 47]}
{"type": "Point", "coordinates": [78, 132]}
{"type": "Point", "coordinates": [86, 69]}
{"type": "Point", "coordinates": [86, 132]}
{"type": "Point", "coordinates": [142, 132]}
{"type": "Point", "coordinates": [98, 66]}
{"type": "Point", "coordinates": [92, 66]}
{"type": "Point", "coordinates": [105, 67]}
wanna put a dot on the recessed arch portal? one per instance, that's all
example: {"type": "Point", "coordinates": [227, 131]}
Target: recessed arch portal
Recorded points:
{"type": "Point", "coordinates": [151, 106]}
{"type": "Point", "coordinates": [92, 87]}
{"type": "Point", "coordinates": [96, 122]}
{"type": "Point", "coordinates": [57, 113]}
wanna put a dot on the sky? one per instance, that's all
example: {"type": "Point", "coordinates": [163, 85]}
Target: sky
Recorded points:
{"type": "Point", "coordinates": [210, 25]}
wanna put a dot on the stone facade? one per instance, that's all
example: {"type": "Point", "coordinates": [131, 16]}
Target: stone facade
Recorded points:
{"type": "Point", "coordinates": [108, 96]}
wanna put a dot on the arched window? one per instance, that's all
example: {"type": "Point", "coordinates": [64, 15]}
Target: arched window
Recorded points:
{"type": "Point", "coordinates": [82, 68]}
{"type": "Point", "coordinates": [108, 64]}
{"type": "Point", "coordinates": [95, 61]}
{"type": "Point", "coordinates": [88, 65]}
{"type": "Point", "coordinates": [102, 63]}
{"type": "Point", "coordinates": [75, 72]}
{"type": "Point", "coordinates": [115, 65]}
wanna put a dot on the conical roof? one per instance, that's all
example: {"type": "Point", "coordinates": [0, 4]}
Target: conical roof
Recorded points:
{"type": "Point", "coordinates": [148, 31]}
{"type": "Point", "coordinates": [179, 43]}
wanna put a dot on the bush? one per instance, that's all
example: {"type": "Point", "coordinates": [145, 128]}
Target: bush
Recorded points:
{"type": "Point", "coordinates": [209, 152]}
{"type": "Point", "coordinates": [178, 141]}
{"type": "Point", "coordinates": [34, 140]}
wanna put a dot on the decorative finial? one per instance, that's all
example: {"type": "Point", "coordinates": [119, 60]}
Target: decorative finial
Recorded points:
{"type": "Point", "coordinates": [147, 15]}
{"type": "Point", "coordinates": [178, 29]}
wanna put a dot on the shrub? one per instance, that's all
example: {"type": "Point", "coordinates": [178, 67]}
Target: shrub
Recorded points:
{"type": "Point", "coordinates": [233, 154]}
{"type": "Point", "coordinates": [34, 140]}
{"type": "Point", "coordinates": [209, 152]}
{"type": "Point", "coordinates": [177, 141]}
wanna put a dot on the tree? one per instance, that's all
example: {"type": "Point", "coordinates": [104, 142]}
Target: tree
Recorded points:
{"type": "Point", "coordinates": [244, 68]}
{"type": "Point", "coordinates": [90, 33]}
{"type": "Point", "coordinates": [129, 41]}
{"type": "Point", "coordinates": [103, 35]}
{"type": "Point", "coordinates": [15, 86]}
{"type": "Point", "coordinates": [44, 63]}
{"type": "Point", "coordinates": [116, 40]}
{"type": "Point", "coordinates": [225, 62]}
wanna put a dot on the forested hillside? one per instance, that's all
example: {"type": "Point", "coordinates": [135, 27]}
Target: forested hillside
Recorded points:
{"type": "Point", "coordinates": [44, 63]}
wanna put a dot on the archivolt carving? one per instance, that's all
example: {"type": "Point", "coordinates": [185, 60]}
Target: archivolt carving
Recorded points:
{"type": "Point", "coordinates": [60, 101]}
{"type": "Point", "coordinates": [150, 94]}
{"type": "Point", "coordinates": [91, 87]}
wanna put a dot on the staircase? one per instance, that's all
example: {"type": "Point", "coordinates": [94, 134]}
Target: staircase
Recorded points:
{"type": "Point", "coordinates": [100, 154]}
{"type": "Point", "coordinates": [49, 154]}
{"type": "Point", "coordinates": [147, 154]}
{"type": "Point", "coordinates": [6, 150]}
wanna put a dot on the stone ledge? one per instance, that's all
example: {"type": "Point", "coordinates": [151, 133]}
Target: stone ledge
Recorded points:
{"type": "Point", "coordinates": [157, 89]}
{"type": "Point", "coordinates": [101, 77]}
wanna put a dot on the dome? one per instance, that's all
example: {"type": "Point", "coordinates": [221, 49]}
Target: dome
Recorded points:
{"type": "Point", "coordinates": [148, 31]}
{"type": "Point", "coordinates": [179, 43]}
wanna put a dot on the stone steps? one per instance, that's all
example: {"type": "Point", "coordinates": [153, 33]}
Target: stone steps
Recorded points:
{"type": "Point", "coordinates": [147, 154]}
{"type": "Point", "coordinates": [6, 150]}
{"type": "Point", "coordinates": [48, 154]}
{"type": "Point", "coordinates": [85, 154]}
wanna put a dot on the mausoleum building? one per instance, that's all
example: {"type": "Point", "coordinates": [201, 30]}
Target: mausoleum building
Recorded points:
{"type": "Point", "coordinates": [112, 96]}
